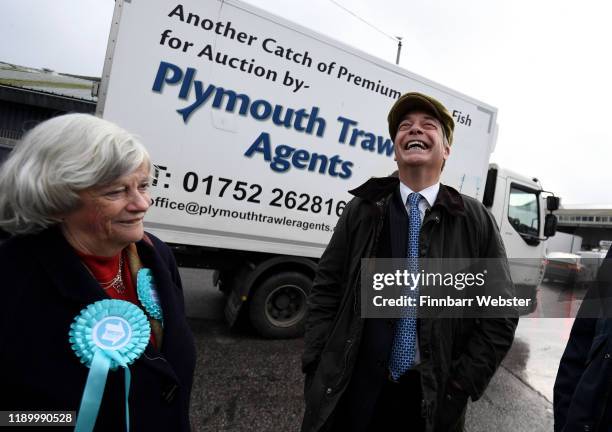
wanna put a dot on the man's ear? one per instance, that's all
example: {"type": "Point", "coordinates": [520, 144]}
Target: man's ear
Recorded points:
{"type": "Point", "coordinates": [447, 150]}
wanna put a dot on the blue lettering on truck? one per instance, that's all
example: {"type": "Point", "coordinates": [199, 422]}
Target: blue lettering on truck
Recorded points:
{"type": "Point", "coordinates": [282, 157]}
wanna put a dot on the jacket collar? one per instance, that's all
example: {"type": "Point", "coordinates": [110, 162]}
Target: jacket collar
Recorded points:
{"type": "Point", "coordinates": [379, 188]}
{"type": "Point", "coordinates": [64, 267]}
{"type": "Point", "coordinates": [73, 280]}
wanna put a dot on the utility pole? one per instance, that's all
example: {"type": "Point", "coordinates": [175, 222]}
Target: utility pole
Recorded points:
{"type": "Point", "coordinates": [399, 48]}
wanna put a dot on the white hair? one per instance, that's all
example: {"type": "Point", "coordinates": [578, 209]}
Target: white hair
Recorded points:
{"type": "Point", "coordinates": [60, 157]}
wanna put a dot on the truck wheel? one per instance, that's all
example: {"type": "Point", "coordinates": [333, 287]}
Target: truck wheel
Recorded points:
{"type": "Point", "coordinates": [278, 308]}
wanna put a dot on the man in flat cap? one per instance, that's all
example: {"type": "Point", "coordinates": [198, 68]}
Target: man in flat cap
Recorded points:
{"type": "Point", "coordinates": [409, 373]}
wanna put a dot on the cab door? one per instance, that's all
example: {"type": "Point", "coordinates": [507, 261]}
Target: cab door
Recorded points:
{"type": "Point", "coordinates": [520, 228]}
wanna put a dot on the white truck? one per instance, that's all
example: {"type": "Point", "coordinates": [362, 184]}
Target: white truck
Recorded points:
{"type": "Point", "coordinates": [258, 127]}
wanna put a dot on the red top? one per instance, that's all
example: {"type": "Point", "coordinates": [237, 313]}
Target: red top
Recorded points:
{"type": "Point", "coordinates": [104, 270]}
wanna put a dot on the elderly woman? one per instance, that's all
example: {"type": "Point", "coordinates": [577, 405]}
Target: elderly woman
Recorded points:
{"type": "Point", "coordinates": [74, 193]}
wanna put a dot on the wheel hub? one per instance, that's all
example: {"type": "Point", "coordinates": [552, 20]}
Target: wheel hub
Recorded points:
{"type": "Point", "coordinates": [286, 305]}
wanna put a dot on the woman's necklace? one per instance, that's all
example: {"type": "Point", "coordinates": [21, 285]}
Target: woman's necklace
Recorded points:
{"type": "Point", "coordinates": [117, 282]}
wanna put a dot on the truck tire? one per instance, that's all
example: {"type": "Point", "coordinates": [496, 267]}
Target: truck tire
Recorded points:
{"type": "Point", "coordinates": [277, 309]}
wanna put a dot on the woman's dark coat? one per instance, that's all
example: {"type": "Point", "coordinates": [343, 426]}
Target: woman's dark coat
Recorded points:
{"type": "Point", "coordinates": [583, 388]}
{"type": "Point", "coordinates": [44, 287]}
{"type": "Point", "coordinates": [466, 350]}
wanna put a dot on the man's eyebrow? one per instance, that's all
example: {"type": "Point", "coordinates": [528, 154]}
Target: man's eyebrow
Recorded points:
{"type": "Point", "coordinates": [410, 117]}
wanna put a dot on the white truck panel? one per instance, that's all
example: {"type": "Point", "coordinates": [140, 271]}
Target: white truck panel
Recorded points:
{"type": "Point", "coordinates": [149, 80]}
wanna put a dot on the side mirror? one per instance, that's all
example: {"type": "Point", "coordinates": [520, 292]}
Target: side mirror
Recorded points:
{"type": "Point", "coordinates": [550, 225]}
{"type": "Point", "coordinates": [489, 191]}
{"type": "Point", "coordinates": [552, 203]}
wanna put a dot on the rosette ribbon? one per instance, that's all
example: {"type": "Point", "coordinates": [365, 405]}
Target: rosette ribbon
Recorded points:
{"type": "Point", "coordinates": [147, 294]}
{"type": "Point", "coordinates": [106, 335]}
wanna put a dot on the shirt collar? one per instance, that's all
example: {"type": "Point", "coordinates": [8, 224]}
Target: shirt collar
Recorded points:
{"type": "Point", "coordinates": [429, 193]}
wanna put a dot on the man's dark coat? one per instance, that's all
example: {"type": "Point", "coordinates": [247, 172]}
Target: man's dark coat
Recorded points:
{"type": "Point", "coordinates": [583, 388]}
{"type": "Point", "coordinates": [342, 349]}
{"type": "Point", "coordinates": [44, 287]}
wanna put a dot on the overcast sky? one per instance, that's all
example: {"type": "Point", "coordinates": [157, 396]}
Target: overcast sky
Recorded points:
{"type": "Point", "coordinates": [543, 63]}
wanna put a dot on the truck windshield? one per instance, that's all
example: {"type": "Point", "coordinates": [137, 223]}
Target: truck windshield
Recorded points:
{"type": "Point", "coordinates": [523, 212]}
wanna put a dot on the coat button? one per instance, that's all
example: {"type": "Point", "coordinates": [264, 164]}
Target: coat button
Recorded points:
{"type": "Point", "coordinates": [607, 356]}
{"type": "Point", "coordinates": [587, 428]}
{"type": "Point", "coordinates": [348, 341]}
{"type": "Point", "coordinates": [328, 391]}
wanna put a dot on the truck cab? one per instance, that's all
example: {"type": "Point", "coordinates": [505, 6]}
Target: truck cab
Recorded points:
{"type": "Point", "coordinates": [519, 208]}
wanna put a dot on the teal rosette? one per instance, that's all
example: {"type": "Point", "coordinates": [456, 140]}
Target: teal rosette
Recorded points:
{"type": "Point", "coordinates": [106, 335]}
{"type": "Point", "coordinates": [147, 293]}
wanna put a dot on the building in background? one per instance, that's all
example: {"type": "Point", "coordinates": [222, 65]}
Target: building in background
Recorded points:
{"type": "Point", "coordinates": [29, 96]}
{"type": "Point", "coordinates": [592, 222]}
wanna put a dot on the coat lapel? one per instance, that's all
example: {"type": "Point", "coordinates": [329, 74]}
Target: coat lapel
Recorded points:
{"type": "Point", "coordinates": [166, 292]}
{"type": "Point", "coordinates": [65, 269]}
{"type": "Point", "coordinates": [398, 218]}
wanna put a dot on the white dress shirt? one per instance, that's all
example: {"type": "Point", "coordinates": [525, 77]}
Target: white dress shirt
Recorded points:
{"type": "Point", "coordinates": [429, 193]}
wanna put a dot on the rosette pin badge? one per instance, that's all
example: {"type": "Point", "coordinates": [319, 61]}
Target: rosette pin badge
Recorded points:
{"type": "Point", "coordinates": [106, 335]}
{"type": "Point", "coordinates": [147, 294]}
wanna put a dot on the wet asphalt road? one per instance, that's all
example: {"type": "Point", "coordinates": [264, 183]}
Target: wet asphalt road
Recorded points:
{"type": "Point", "coordinates": [246, 383]}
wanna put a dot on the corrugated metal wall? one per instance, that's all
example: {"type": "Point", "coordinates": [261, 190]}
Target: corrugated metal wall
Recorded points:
{"type": "Point", "coordinates": [15, 119]}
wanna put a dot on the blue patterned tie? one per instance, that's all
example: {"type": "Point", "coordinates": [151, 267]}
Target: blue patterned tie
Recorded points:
{"type": "Point", "coordinates": [404, 344]}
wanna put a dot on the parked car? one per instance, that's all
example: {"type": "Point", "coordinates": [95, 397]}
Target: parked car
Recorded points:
{"type": "Point", "coordinates": [562, 267]}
